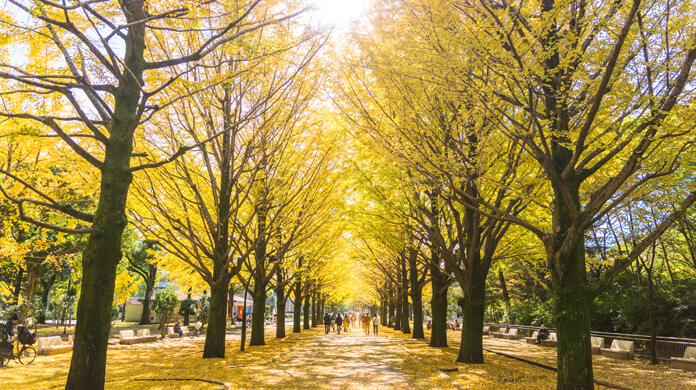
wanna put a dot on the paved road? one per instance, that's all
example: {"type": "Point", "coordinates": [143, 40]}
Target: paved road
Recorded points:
{"type": "Point", "coordinates": [352, 361]}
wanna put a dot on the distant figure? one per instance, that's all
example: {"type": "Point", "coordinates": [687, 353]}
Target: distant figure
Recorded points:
{"type": "Point", "coordinates": [333, 322]}
{"type": "Point", "coordinates": [375, 325]}
{"type": "Point", "coordinates": [543, 334]}
{"type": "Point", "coordinates": [430, 324]}
{"type": "Point", "coordinates": [366, 323]}
{"type": "Point", "coordinates": [327, 322]}
{"type": "Point", "coordinates": [339, 323]}
{"type": "Point", "coordinates": [177, 329]}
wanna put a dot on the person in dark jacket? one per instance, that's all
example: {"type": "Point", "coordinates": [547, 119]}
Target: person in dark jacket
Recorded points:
{"type": "Point", "coordinates": [543, 334]}
{"type": "Point", "coordinates": [9, 327]}
{"type": "Point", "coordinates": [178, 330]}
{"type": "Point", "coordinates": [339, 323]}
{"type": "Point", "coordinates": [327, 322]}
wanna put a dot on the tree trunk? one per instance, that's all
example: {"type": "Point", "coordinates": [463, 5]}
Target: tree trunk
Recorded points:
{"type": "Point", "coordinates": [149, 286]}
{"type": "Point", "coordinates": [416, 295]}
{"type": "Point", "coordinates": [384, 311]}
{"type": "Point", "coordinates": [44, 297]}
{"type": "Point", "coordinates": [392, 307]}
{"type": "Point", "coordinates": [438, 309]}
{"type": "Point", "coordinates": [405, 311]}
{"type": "Point", "coordinates": [297, 307]}
{"type": "Point", "coordinates": [314, 310]}
{"type": "Point", "coordinates": [653, 328]}
{"type": "Point", "coordinates": [17, 286]}
{"type": "Point", "coordinates": [280, 310]}
{"type": "Point", "coordinates": [258, 314]}
{"type": "Point", "coordinates": [572, 308]}
{"type": "Point", "coordinates": [217, 325]}
{"type": "Point", "coordinates": [399, 307]}
{"type": "Point", "coordinates": [506, 296]}
{"type": "Point", "coordinates": [417, 298]}
{"type": "Point", "coordinates": [100, 258]}
{"type": "Point", "coordinates": [306, 312]}
{"type": "Point", "coordinates": [473, 307]}
{"type": "Point", "coordinates": [438, 302]}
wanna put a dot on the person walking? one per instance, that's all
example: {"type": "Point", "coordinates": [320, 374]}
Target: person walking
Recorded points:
{"type": "Point", "coordinates": [366, 323]}
{"type": "Point", "coordinates": [339, 323]}
{"type": "Point", "coordinates": [375, 325]}
{"type": "Point", "coordinates": [327, 322]}
{"type": "Point", "coordinates": [333, 322]}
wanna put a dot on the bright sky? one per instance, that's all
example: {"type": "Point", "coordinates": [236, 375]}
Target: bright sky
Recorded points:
{"type": "Point", "coordinates": [340, 12]}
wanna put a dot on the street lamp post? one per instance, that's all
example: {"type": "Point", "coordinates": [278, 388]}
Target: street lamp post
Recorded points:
{"type": "Point", "coordinates": [272, 259]}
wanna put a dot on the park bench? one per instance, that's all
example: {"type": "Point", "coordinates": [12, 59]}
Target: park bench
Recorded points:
{"type": "Point", "coordinates": [145, 335]}
{"type": "Point", "coordinates": [597, 345]}
{"type": "Point", "coordinates": [511, 335]}
{"type": "Point", "coordinates": [129, 337]}
{"type": "Point", "coordinates": [620, 349]}
{"type": "Point", "coordinates": [533, 339]}
{"type": "Point", "coordinates": [486, 330]}
{"type": "Point", "coordinates": [499, 335]}
{"type": "Point", "coordinates": [551, 341]}
{"type": "Point", "coordinates": [174, 335]}
{"type": "Point", "coordinates": [52, 346]}
{"type": "Point", "coordinates": [688, 362]}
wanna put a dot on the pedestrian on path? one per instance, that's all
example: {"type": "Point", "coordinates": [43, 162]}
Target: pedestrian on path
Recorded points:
{"type": "Point", "coordinates": [339, 323]}
{"type": "Point", "coordinates": [327, 322]}
{"type": "Point", "coordinates": [375, 325]}
{"type": "Point", "coordinates": [333, 322]}
{"type": "Point", "coordinates": [366, 324]}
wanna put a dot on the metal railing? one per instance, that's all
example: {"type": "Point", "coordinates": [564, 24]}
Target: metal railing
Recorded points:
{"type": "Point", "coordinates": [667, 347]}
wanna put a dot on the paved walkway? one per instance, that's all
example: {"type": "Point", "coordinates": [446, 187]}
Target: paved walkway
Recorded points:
{"type": "Point", "coordinates": [353, 361]}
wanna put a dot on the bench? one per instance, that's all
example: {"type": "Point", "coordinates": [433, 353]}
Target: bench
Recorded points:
{"type": "Point", "coordinates": [533, 339]}
{"type": "Point", "coordinates": [620, 349]}
{"type": "Point", "coordinates": [511, 335]}
{"type": "Point", "coordinates": [52, 346]}
{"type": "Point", "coordinates": [486, 330]}
{"type": "Point", "coordinates": [145, 336]}
{"type": "Point", "coordinates": [499, 335]}
{"type": "Point", "coordinates": [129, 337]}
{"type": "Point", "coordinates": [688, 362]}
{"type": "Point", "coordinates": [552, 341]}
{"type": "Point", "coordinates": [174, 335]}
{"type": "Point", "coordinates": [597, 345]}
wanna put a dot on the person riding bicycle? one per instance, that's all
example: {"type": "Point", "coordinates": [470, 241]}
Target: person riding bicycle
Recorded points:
{"type": "Point", "coordinates": [9, 328]}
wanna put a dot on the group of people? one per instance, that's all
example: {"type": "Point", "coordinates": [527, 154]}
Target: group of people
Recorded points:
{"type": "Point", "coordinates": [334, 322]}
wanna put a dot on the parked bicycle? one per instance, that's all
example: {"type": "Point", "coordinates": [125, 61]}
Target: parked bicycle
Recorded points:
{"type": "Point", "coordinates": [25, 352]}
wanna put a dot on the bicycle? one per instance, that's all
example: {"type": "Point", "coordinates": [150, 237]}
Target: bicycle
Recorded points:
{"type": "Point", "coordinates": [25, 355]}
